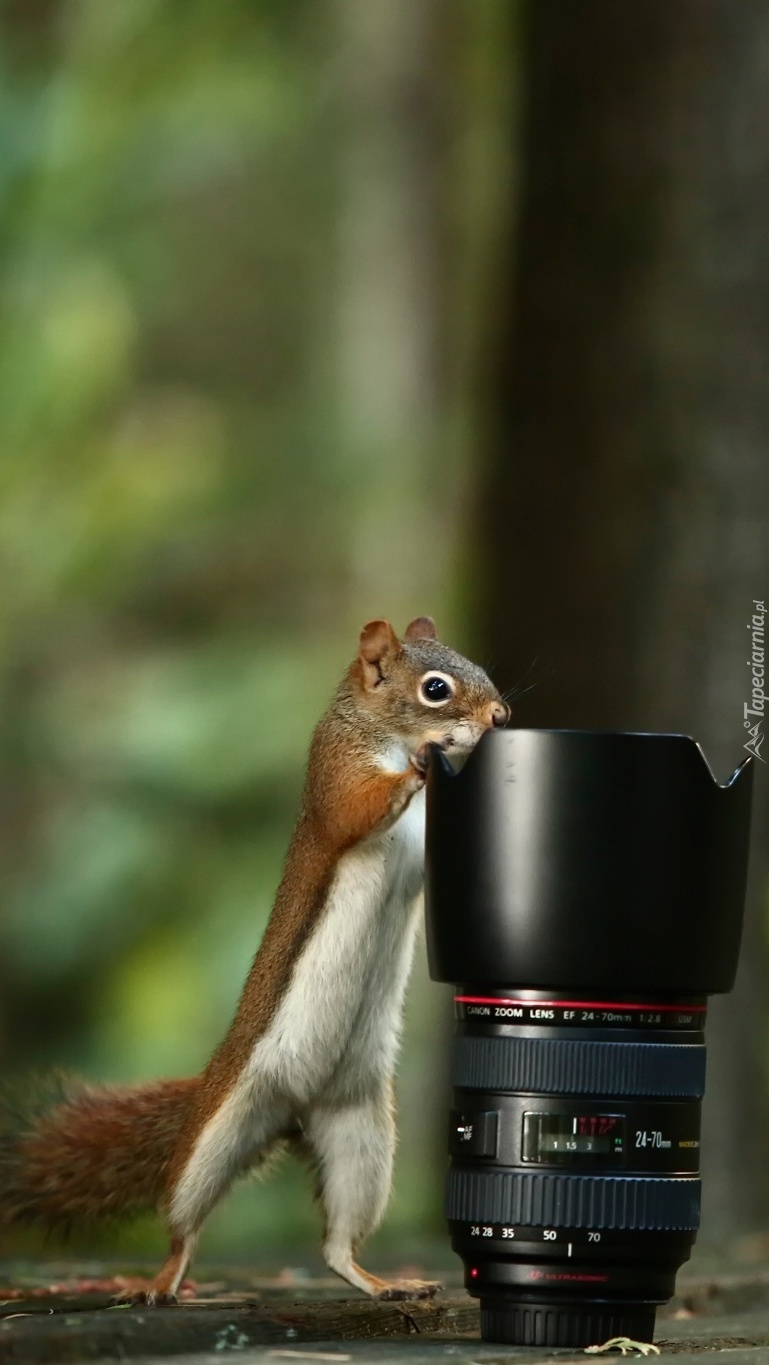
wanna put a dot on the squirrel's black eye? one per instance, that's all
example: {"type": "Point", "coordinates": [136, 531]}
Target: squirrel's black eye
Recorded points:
{"type": "Point", "coordinates": [436, 689]}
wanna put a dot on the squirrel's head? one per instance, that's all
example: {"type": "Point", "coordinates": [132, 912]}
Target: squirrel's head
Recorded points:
{"type": "Point", "coordinates": [421, 691]}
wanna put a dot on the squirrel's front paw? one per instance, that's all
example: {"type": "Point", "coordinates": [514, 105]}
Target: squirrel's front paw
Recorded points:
{"type": "Point", "coordinates": [420, 761]}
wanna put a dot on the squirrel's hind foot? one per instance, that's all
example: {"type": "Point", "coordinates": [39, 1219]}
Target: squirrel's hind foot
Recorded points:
{"type": "Point", "coordinates": [148, 1298]}
{"type": "Point", "coordinates": [409, 1289]}
{"type": "Point", "coordinates": [165, 1288]}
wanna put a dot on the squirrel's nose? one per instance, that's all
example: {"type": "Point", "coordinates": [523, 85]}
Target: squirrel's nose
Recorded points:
{"type": "Point", "coordinates": [497, 713]}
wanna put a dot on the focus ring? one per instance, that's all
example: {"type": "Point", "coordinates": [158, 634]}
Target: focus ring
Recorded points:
{"type": "Point", "coordinates": [560, 1066]}
{"type": "Point", "coordinates": [540, 1199]}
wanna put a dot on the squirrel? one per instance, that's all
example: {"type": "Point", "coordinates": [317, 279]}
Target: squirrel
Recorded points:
{"type": "Point", "coordinates": [309, 1059]}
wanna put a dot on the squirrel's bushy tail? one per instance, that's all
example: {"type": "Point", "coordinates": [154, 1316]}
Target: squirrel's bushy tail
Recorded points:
{"type": "Point", "coordinates": [72, 1153]}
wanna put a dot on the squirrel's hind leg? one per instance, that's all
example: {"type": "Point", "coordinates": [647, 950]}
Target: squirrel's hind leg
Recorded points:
{"type": "Point", "coordinates": [232, 1140]}
{"type": "Point", "coordinates": [165, 1286]}
{"type": "Point", "coordinates": [352, 1149]}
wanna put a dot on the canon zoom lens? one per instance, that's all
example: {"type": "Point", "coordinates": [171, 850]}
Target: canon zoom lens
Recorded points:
{"type": "Point", "coordinates": [573, 1195]}
{"type": "Point", "coordinates": [588, 889]}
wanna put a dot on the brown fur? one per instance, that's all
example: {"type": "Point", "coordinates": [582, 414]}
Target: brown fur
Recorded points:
{"type": "Point", "coordinates": [89, 1153]}
{"type": "Point", "coordinates": [76, 1153]}
{"type": "Point", "coordinates": [298, 905]}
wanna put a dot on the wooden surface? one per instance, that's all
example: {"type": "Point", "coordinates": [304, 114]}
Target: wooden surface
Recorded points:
{"type": "Point", "coordinates": [292, 1320]}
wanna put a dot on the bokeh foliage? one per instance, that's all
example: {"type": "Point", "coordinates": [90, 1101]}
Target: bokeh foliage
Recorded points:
{"type": "Point", "coordinates": [191, 528]}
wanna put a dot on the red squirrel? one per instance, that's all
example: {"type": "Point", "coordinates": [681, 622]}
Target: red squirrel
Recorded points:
{"type": "Point", "coordinates": [309, 1059]}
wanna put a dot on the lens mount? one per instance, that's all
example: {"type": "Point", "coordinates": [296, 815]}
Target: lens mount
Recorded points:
{"type": "Point", "coordinates": [571, 1323]}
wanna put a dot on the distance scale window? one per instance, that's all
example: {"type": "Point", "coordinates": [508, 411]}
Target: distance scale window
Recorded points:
{"type": "Point", "coordinates": [574, 1139]}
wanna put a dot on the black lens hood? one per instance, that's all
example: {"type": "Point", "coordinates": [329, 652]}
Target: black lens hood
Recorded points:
{"type": "Point", "coordinates": [574, 858]}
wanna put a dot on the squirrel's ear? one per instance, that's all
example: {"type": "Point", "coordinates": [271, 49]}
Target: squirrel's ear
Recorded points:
{"type": "Point", "coordinates": [377, 640]}
{"type": "Point", "coordinates": [422, 628]}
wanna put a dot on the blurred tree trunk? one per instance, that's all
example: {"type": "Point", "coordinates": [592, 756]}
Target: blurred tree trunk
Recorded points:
{"type": "Point", "coordinates": [626, 519]}
{"type": "Point", "coordinates": [396, 63]}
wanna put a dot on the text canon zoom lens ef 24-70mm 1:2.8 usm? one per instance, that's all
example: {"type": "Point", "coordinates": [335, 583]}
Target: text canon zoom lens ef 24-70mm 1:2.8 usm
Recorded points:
{"type": "Point", "coordinates": [584, 895]}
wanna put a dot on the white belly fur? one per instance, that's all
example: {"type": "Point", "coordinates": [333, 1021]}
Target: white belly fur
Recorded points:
{"type": "Point", "coordinates": [335, 1035]}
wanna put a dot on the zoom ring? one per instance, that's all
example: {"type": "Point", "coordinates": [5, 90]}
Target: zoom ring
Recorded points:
{"type": "Point", "coordinates": [565, 1067]}
{"type": "Point", "coordinates": [539, 1199]}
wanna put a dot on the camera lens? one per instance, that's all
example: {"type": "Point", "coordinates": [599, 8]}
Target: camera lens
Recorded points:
{"type": "Point", "coordinates": [573, 1193]}
{"type": "Point", "coordinates": [584, 895]}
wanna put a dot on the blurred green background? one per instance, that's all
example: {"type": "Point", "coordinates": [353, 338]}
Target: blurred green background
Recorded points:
{"type": "Point", "coordinates": [238, 285]}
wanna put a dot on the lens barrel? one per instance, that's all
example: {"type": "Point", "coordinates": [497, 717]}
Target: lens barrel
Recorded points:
{"type": "Point", "coordinates": [573, 1194]}
{"type": "Point", "coordinates": [564, 870]}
